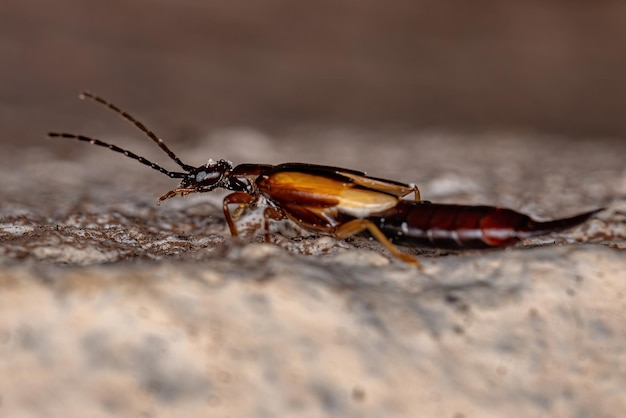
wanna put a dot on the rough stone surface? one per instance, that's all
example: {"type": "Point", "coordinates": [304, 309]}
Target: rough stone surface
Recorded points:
{"type": "Point", "coordinates": [113, 306]}
{"type": "Point", "coordinates": [256, 331]}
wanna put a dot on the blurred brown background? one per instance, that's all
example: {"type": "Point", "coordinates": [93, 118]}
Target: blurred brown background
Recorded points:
{"type": "Point", "coordinates": [191, 65]}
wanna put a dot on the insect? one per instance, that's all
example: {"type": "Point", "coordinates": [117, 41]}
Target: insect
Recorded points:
{"type": "Point", "coordinates": [342, 202]}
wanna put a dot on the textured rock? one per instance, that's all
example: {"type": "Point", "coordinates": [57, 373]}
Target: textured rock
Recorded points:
{"type": "Point", "coordinates": [256, 331]}
{"type": "Point", "coordinates": [112, 306]}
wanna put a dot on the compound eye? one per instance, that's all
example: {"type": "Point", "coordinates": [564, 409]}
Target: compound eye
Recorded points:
{"type": "Point", "coordinates": [205, 178]}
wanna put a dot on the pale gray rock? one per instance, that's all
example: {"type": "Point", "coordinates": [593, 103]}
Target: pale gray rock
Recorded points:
{"type": "Point", "coordinates": [255, 331]}
{"type": "Point", "coordinates": [113, 306]}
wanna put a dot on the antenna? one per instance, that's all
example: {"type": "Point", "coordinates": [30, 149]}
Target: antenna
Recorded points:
{"type": "Point", "coordinates": [139, 126]}
{"type": "Point", "coordinates": [172, 174]}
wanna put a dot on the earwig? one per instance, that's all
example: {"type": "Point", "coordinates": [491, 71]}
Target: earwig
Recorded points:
{"type": "Point", "coordinates": [342, 202]}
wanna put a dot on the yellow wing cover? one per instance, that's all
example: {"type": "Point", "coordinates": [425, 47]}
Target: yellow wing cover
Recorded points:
{"type": "Point", "coordinates": [329, 190]}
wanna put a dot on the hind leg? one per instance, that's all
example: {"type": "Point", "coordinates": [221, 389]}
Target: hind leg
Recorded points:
{"type": "Point", "coordinates": [355, 226]}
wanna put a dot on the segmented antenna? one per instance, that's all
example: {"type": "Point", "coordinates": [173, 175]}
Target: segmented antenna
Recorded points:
{"type": "Point", "coordinates": [139, 126]}
{"type": "Point", "coordinates": [172, 174]}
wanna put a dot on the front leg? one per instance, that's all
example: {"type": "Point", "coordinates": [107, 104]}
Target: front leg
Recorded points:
{"type": "Point", "coordinates": [240, 198]}
{"type": "Point", "coordinates": [245, 199]}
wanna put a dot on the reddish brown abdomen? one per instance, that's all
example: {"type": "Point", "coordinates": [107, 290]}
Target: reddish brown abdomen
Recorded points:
{"type": "Point", "coordinates": [458, 226]}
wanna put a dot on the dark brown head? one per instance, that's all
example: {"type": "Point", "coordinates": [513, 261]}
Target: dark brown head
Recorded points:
{"type": "Point", "coordinates": [205, 178]}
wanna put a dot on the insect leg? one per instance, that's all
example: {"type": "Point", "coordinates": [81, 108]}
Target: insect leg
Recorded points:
{"type": "Point", "coordinates": [355, 226]}
{"type": "Point", "coordinates": [240, 198]}
{"type": "Point", "coordinates": [415, 191]}
{"type": "Point", "coordinates": [271, 213]}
